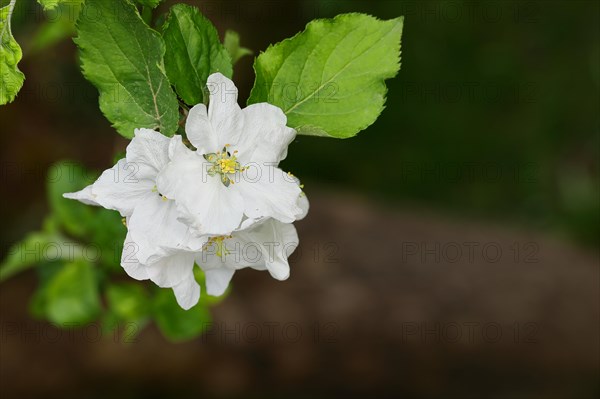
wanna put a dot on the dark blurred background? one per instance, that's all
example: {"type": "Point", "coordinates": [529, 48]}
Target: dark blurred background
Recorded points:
{"type": "Point", "coordinates": [490, 136]}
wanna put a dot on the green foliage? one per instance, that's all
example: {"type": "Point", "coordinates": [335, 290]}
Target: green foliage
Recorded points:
{"type": "Point", "coordinates": [52, 4]}
{"type": "Point", "coordinates": [174, 322]}
{"type": "Point", "coordinates": [232, 44]}
{"type": "Point", "coordinates": [134, 68]}
{"type": "Point", "coordinates": [71, 296]}
{"type": "Point", "coordinates": [77, 253]}
{"type": "Point", "coordinates": [329, 79]}
{"type": "Point", "coordinates": [128, 307]}
{"type": "Point", "coordinates": [50, 33]}
{"type": "Point", "coordinates": [11, 78]}
{"type": "Point", "coordinates": [64, 177]}
{"type": "Point", "coordinates": [149, 3]}
{"type": "Point", "coordinates": [49, 4]}
{"type": "Point", "coordinates": [33, 248]}
{"type": "Point", "coordinates": [123, 58]}
{"type": "Point", "coordinates": [181, 325]}
{"type": "Point", "coordinates": [194, 51]}
{"type": "Point", "coordinates": [57, 28]}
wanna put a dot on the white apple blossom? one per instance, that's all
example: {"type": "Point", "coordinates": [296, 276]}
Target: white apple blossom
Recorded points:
{"type": "Point", "coordinates": [233, 172]}
{"type": "Point", "coordinates": [184, 207]}
{"type": "Point", "coordinates": [265, 245]}
{"type": "Point", "coordinates": [163, 245]}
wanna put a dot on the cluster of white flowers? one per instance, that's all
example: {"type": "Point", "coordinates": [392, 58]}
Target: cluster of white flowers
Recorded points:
{"type": "Point", "coordinates": [223, 204]}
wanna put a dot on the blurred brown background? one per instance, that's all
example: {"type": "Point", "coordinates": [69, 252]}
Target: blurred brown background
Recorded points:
{"type": "Point", "coordinates": [469, 268]}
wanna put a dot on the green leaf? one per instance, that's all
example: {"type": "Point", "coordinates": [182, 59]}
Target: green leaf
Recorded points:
{"type": "Point", "coordinates": [38, 248]}
{"type": "Point", "coordinates": [57, 28]}
{"type": "Point", "coordinates": [123, 58]}
{"type": "Point", "coordinates": [194, 51]}
{"type": "Point", "coordinates": [46, 272]}
{"type": "Point", "coordinates": [149, 3]}
{"type": "Point", "coordinates": [11, 78]}
{"type": "Point", "coordinates": [128, 301]}
{"type": "Point", "coordinates": [232, 44]}
{"type": "Point", "coordinates": [174, 322]}
{"type": "Point", "coordinates": [64, 177]}
{"type": "Point", "coordinates": [52, 4]}
{"type": "Point", "coordinates": [49, 33]}
{"type": "Point", "coordinates": [72, 294]}
{"type": "Point", "coordinates": [107, 235]}
{"type": "Point", "coordinates": [330, 79]}
{"type": "Point", "coordinates": [49, 4]}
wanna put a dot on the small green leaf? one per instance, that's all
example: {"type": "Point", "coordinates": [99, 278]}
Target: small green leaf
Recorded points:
{"type": "Point", "coordinates": [49, 4]}
{"type": "Point", "coordinates": [107, 235]}
{"type": "Point", "coordinates": [232, 44]}
{"type": "Point", "coordinates": [38, 248]}
{"type": "Point", "coordinates": [149, 3]}
{"type": "Point", "coordinates": [46, 272]}
{"type": "Point", "coordinates": [11, 78]}
{"type": "Point", "coordinates": [174, 322]}
{"type": "Point", "coordinates": [49, 33]}
{"type": "Point", "coordinates": [72, 294]}
{"type": "Point", "coordinates": [123, 58]}
{"type": "Point", "coordinates": [57, 28]}
{"type": "Point", "coordinates": [330, 79]}
{"type": "Point", "coordinates": [194, 51]}
{"type": "Point", "coordinates": [128, 301]}
{"type": "Point", "coordinates": [64, 177]}
{"type": "Point", "coordinates": [52, 4]}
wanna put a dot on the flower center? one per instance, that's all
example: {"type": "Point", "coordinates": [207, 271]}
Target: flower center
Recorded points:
{"type": "Point", "coordinates": [223, 164]}
{"type": "Point", "coordinates": [219, 244]}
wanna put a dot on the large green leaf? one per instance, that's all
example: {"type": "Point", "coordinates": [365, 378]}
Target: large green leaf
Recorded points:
{"type": "Point", "coordinates": [71, 295]}
{"type": "Point", "coordinates": [11, 78]}
{"type": "Point", "coordinates": [330, 79]}
{"type": "Point", "coordinates": [194, 51]}
{"type": "Point", "coordinates": [123, 58]}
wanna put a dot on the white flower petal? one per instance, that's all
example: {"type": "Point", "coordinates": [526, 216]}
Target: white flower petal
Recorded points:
{"type": "Point", "coordinates": [204, 203]}
{"type": "Point", "coordinates": [130, 262]}
{"type": "Point", "coordinates": [269, 193]}
{"type": "Point", "coordinates": [187, 292]}
{"type": "Point", "coordinates": [217, 280]}
{"type": "Point", "coordinates": [304, 206]}
{"type": "Point", "coordinates": [157, 232]}
{"type": "Point", "coordinates": [285, 234]}
{"type": "Point", "coordinates": [119, 188]}
{"type": "Point", "coordinates": [224, 113]}
{"type": "Point", "coordinates": [177, 149]}
{"type": "Point", "coordinates": [200, 131]}
{"type": "Point", "coordinates": [249, 222]}
{"type": "Point", "coordinates": [236, 253]}
{"type": "Point", "coordinates": [169, 271]}
{"type": "Point", "coordinates": [266, 137]}
{"type": "Point", "coordinates": [148, 151]}
{"type": "Point", "coordinates": [86, 196]}
{"type": "Point", "coordinates": [277, 241]}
